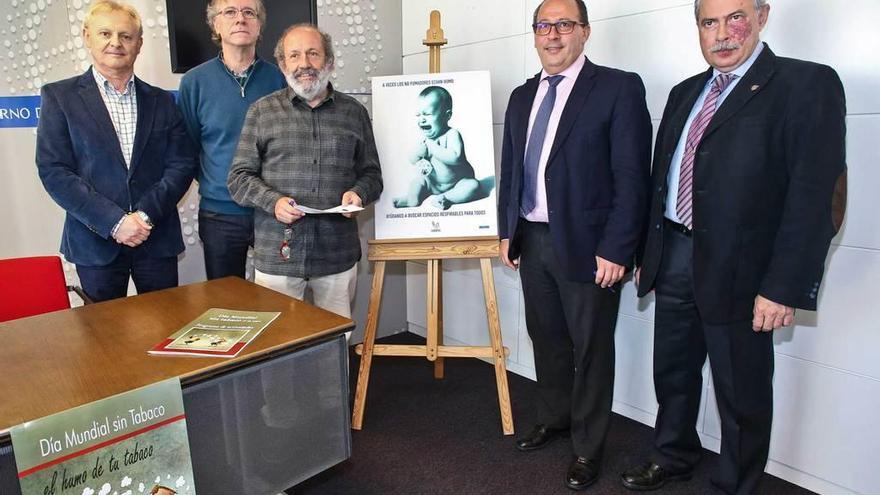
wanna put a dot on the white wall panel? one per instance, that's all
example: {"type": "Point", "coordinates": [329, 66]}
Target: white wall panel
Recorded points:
{"type": "Point", "coordinates": [603, 10]}
{"type": "Point", "coordinates": [843, 333]}
{"type": "Point", "coordinates": [464, 267]}
{"type": "Point", "coordinates": [838, 34]}
{"type": "Point", "coordinates": [465, 322]}
{"type": "Point", "coordinates": [636, 307]}
{"type": "Point", "coordinates": [711, 424]}
{"type": "Point", "coordinates": [464, 317]}
{"type": "Point", "coordinates": [861, 227]}
{"type": "Point", "coordinates": [819, 415]}
{"type": "Point", "coordinates": [662, 47]}
{"type": "Point", "coordinates": [530, 6]}
{"type": "Point", "coordinates": [498, 141]}
{"type": "Point", "coordinates": [633, 385]}
{"type": "Point", "coordinates": [505, 277]}
{"type": "Point", "coordinates": [531, 62]}
{"type": "Point", "coordinates": [526, 355]}
{"type": "Point", "coordinates": [34, 230]}
{"type": "Point", "coordinates": [416, 280]}
{"type": "Point", "coordinates": [464, 306]}
{"type": "Point", "coordinates": [494, 56]}
{"type": "Point", "coordinates": [463, 22]}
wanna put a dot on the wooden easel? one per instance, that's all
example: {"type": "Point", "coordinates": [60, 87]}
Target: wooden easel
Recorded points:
{"type": "Point", "coordinates": [434, 251]}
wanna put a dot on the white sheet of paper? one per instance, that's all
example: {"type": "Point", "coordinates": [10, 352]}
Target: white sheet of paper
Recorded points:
{"type": "Point", "coordinates": [335, 209]}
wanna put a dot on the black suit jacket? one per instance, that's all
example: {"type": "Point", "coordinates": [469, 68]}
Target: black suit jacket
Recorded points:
{"type": "Point", "coordinates": [597, 173]}
{"type": "Point", "coordinates": [80, 162]}
{"type": "Point", "coordinates": [769, 187]}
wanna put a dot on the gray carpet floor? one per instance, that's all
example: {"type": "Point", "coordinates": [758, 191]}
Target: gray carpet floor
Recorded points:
{"type": "Point", "coordinates": [427, 436]}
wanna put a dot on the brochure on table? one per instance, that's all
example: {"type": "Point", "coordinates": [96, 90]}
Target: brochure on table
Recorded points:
{"type": "Point", "coordinates": [216, 333]}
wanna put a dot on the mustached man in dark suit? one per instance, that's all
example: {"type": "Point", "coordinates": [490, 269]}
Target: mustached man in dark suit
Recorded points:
{"type": "Point", "coordinates": [572, 202]}
{"type": "Point", "coordinates": [749, 181]}
{"type": "Point", "coordinates": [114, 153]}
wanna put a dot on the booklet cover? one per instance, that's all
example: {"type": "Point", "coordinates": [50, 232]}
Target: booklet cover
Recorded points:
{"type": "Point", "coordinates": [133, 443]}
{"type": "Point", "coordinates": [216, 333]}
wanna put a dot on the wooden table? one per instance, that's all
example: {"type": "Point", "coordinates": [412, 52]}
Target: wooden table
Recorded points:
{"type": "Point", "coordinates": [53, 362]}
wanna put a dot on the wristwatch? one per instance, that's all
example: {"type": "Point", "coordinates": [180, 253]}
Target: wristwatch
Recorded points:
{"type": "Point", "coordinates": [145, 217]}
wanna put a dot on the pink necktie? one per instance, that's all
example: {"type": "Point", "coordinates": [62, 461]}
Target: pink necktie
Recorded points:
{"type": "Point", "coordinates": [684, 205]}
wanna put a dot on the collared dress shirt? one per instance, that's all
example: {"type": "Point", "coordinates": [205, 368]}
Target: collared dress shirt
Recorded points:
{"type": "Point", "coordinates": [563, 90]}
{"type": "Point", "coordinates": [672, 177]}
{"type": "Point", "coordinates": [313, 155]}
{"type": "Point", "coordinates": [122, 106]}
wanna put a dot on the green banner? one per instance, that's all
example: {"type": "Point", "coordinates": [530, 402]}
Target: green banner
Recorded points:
{"type": "Point", "coordinates": [128, 443]}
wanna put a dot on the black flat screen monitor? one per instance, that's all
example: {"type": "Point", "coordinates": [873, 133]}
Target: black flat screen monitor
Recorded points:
{"type": "Point", "coordinates": [190, 37]}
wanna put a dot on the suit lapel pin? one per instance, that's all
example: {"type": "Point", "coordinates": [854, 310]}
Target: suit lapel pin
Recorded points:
{"type": "Point", "coordinates": [755, 87]}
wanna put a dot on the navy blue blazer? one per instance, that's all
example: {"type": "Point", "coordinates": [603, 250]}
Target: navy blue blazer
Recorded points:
{"type": "Point", "coordinates": [80, 162]}
{"type": "Point", "coordinates": [597, 174]}
{"type": "Point", "coordinates": [769, 187]}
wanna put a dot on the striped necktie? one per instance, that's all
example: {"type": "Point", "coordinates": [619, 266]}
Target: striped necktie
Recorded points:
{"type": "Point", "coordinates": [684, 203]}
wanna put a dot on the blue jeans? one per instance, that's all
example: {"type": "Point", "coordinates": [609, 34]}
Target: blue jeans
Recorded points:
{"type": "Point", "coordinates": [225, 240]}
{"type": "Point", "coordinates": [110, 281]}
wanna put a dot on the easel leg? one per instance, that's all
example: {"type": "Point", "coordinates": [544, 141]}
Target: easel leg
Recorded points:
{"type": "Point", "coordinates": [360, 394]}
{"type": "Point", "coordinates": [440, 362]}
{"type": "Point", "coordinates": [497, 348]}
{"type": "Point", "coordinates": [433, 309]}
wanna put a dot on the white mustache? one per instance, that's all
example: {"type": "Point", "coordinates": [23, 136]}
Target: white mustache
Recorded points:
{"type": "Point", "coordinates": [725, 45]}
{"type": "Point", "coordinates": [306, 72]}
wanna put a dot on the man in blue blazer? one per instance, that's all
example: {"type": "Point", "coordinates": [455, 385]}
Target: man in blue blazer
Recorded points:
{"type": "Point", "coordinates": [114, 153]}
{"type": "Point", "coordinates": [573, 197]}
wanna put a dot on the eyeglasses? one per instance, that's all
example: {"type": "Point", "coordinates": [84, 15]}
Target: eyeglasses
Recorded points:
{"type": "Point", "coordinates": [562, 27]}
{"type": "Point", "coordinates": [232, 13]}
{"type": "Point", "coordinates": [284, 250]}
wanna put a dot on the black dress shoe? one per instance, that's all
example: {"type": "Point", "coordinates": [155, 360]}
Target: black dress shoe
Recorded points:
{"type": "Point", "coordinates": [651, 476]}
{"type": "Point", "coordinates": [582, 472]}
{"type": "Point", "coordinates": [539, 437]}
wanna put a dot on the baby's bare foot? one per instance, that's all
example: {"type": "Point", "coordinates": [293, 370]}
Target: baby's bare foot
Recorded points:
{"type": "Point", "coordinates": [441, 202]}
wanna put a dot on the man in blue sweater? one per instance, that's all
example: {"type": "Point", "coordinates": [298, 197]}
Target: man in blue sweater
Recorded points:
{"type": "Point", "coordinates": [214, 98]}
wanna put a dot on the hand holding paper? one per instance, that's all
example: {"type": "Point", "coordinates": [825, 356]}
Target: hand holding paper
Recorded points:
{"type": "Point", "coordinates": [336, 209]}
{"type": "Point", "coordinates": [349, 199]}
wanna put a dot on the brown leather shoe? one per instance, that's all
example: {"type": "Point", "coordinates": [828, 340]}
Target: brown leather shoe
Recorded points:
{"type": "Point", "coordinates": [651, 476]}
{"type": "Point", "coordinates": [539, 437]}
{"type": "Point", "coordinates": [582, 472]}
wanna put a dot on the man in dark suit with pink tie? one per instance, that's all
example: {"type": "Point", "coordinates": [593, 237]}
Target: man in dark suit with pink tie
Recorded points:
{"type": "Point", "coordinates": [749, 182]}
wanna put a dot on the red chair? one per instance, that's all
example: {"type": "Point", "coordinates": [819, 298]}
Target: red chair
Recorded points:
{"type": "Point", "coordinates": [32, 286]}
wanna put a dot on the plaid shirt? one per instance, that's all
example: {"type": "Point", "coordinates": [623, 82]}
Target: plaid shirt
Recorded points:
{"type": "Point", "coordinates": [122, 107]}
{"type": "Point", "coordinates": [313, 155]}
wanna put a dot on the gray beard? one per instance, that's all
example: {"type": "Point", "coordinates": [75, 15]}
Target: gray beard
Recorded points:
{"type": "Point", "coordinates": [311, 91]}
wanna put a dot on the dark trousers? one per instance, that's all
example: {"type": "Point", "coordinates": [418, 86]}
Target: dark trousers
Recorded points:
{"type": "Point", "coordinates": [110, 281]}
{"type": "Point", "coordinates": [225, 241]}
{"type": "Point", "coordinates": [571, 325]}
{"type": "Point", "coordinates": [741, 361]}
